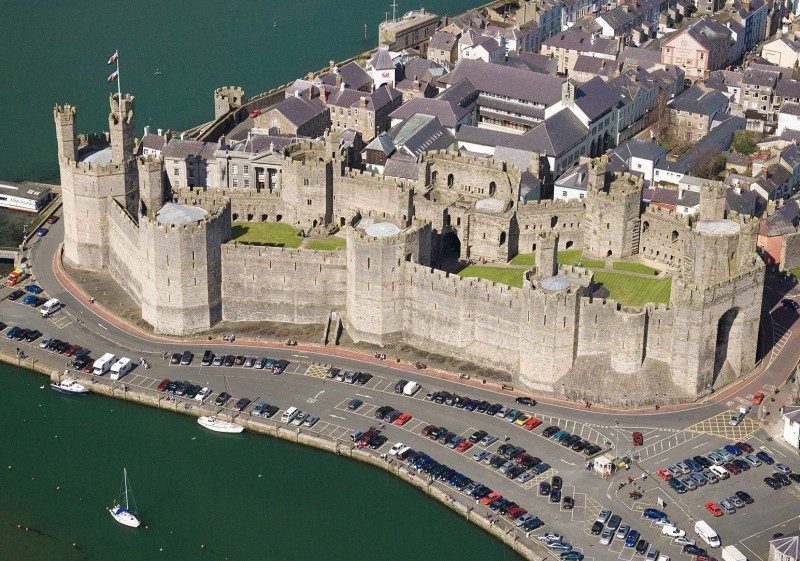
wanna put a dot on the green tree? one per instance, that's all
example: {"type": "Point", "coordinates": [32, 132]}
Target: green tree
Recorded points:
{"type": "Point", "coordinates": [744, 142]}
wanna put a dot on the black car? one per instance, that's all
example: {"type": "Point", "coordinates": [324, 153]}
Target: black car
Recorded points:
{"type": "Point", "coordinates": [568, 503]}
{"type": "Point", "coordinates": [332, 372]}
{"type": "Point", "coordinates": [229, 359]}
{"type": "Point", "coordinates": [269, 411]}
{"type": "Point", "coordinates": [461, 402]}
{"type": "Point", "coordinates": [186, 358]}
{"type": "Point", "coordinates": [515, 472]}
{"type": "Point", "coordinates": [794, 477]}
{"type": "Point", "coordinates": [745, 497]}
{"type": "Point", "coordinates": [556, 482]}
{"type": "Point", "coordinates": [782, 479]}
{"type": "Point", "coordinates": [38, 301]}
{"type": "Point", "coordinates": [208, 358]}
{"type": "Point", "coordinates": [451, 399]}
{"type": "Point", "coordinates": [642, 546]}
{"type": "Point", "coordinates": [789, 303]}
{"type": "Point", "coordinates": [191, 390]}
{"type": "Point", "coordinates": [239, 360]}
{"type": "Point", "coordinates": [16, 295]}
{"type": "Point", "coordinates": [392, 416]}
{"type": "Point", "coordinates": [591, 450]}
{"type": "Point", "coordinates": [446, 437]}
{"type": "Point", "coordinates": [703, 461]}
{"type": "Point", "coordinates": [80, 363]}
{"type": "Point", "coordinates": [51, 346]}
{"type": "Point", "coordinates": [436, 433]}
{"type": "Point", "coordinates": [2, 326]}
{"type": "Point", "coordinates": [580, 446]}
{"type": "Point", "coordinates": [571, 441]}
{"type": "Point", "coordinates": [497, 461]}
{"type": "Point", "coordinates": [279, 366]}
{"type": "Point", "coordinates": [529, 401]}
{"type": "Point", "coordinates": [363, 378]}
{"type": "Point", "coordinates": [691, 550]}
{"type": "Point", "coordinates": [176, 358]}
{"type": "Point", "coordinates": [483, 406]}
{"type": "Point", "coordinates": [381, 412]}
{"type": "Point", "coordinates": [440, 397]}
{"type": "Point", "coordinates": [772, 482]}
{"type": "Point", "coordinates": [741, 464]}
{"type": "Point", "coordinates": [544, 488]}
{"type": "Point", "coordinates": [222, 398]}
{"type": "Point", "coordinates": [506, 507]}
{"type": "Point", "coordinates": [555, 496]}
{"type": "Point", "coordinates": [398, 387]}
{"type": "Point", "coordinates": [21, 334]}
{"type": "Point", "coordinates": [180, 388]}
{"type": "Point", "coordinates": [63, 347]}
{"type": "Point", "coordinates": [377, 441]}
{"type": "Point", "coordinates": [531, 462]}
{"type": "Point", "coordinates": [550, 431]}
{"type": "Point", "coordinates": [33, 335]}
{"type": "Point", "coordinates": [171, 386]}
{"type": "Point", "coordinates": [597, 527]}
{"type": "Point", "coordinates": [493, 409]}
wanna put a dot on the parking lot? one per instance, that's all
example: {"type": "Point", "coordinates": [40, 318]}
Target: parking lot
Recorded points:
{"type": "Point", "coordinates": [304, 385]}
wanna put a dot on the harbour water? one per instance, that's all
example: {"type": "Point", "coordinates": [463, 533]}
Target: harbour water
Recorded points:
{"type": "Point", "coordinates": [240, 496]}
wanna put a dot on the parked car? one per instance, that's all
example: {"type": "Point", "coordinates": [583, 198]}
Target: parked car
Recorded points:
{"type": "Point", "coordinates": [222, 399]}
{"type": "Point", "coordinates": [637, 438]}
{"type": "Point", "coordinates": [764, 457]}
{"type": "Point", "coordinates": [187, 357]}
{"type": "Point", "coordinates": [208, 358]}
{"type": "Point", "coordinates": [529, 401]}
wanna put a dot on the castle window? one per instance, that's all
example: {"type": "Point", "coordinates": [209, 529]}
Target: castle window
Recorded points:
{"type": "Point", "coordinates": [434, 176]}
{"type": "Point", "coordinates": [309, 202]}
{"type": "Point", "coordinates": [450, 180]}
{"type": "Point", "coordinates": [176, 172]}
{"type": "Point", "coordinates": [674, 236]}
{"type": "Point", "coordinates": [492, 188]}
{"type": "Point", "coordinates": [645, 226]}
{"type": "Point", "coordinates": [458, 221]}
{"type": "Point", "coordinates": [305, 182]}
{"type": "Point", "coordinates": [502, 238]}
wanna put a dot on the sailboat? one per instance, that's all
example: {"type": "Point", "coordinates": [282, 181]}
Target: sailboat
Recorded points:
{"type": "Point", "coordinates": [126, 515]}
{"type": "Point", "coordinates": [218, 424]}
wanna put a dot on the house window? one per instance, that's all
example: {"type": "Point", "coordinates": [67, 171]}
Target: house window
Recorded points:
{"type": "Point", "coordinates": [176, 172]}
{"type": "Point", "coordinates": [234, 169]}
{"type": "Point", "coordinates": [235, 181]}
{"type": "Point", "coordinates": [246, 169]}
{"type": "Point", "coordinates": [563, 193]}
{"type": "Point", "coordinates": [246, 183]}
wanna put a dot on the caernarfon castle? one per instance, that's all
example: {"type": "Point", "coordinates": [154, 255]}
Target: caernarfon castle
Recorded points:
{"type": "Point", "coordinates": [172, 251]}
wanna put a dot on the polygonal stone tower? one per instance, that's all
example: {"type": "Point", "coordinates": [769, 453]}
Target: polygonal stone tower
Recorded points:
{"type": "Point", "coordinates": [227, 98]}
{"type": "Point", "coordinates": [94, 172]}
{"type": "Point", "coordinates": [151, 185]}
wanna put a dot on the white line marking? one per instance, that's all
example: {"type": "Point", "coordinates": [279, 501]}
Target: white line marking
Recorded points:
{"type": "Point", "coordinates": [338, 417]}
{"type": "Point", "coordinates": [319, 394]}
{"type": "Point", "coordinates": [362, 395]}
{"type": "Point", "coordinates": [103, 326]}
{"type": "Point", "coordinates": [566, 462]}
{"type": "Point", "coordinates": [300, 356]}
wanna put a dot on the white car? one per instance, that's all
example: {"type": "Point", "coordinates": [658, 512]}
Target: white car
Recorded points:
{"type": "Point", "coordinates": [663, 522]}
{"type": "Point", "coordinates": [203, 394]}
{"type": "Point", "coordinates": [685, 540]}
{"type": "Point", "coordinates": [783, 468]}
{"type": "Point", "coordinates": [672, 532]}
{"type": "Point", "coordinates": [549, 536]}
{"type": "Point", "coordinates": [396, 448]}
{"type": "Point", "coordinates": [480, 455]}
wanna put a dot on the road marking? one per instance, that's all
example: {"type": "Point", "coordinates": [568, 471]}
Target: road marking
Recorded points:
{"type": "Point", "coordinates": [103, 326]}
{"type": "Point", "coordinates": [566, 462]}
{"type": "Point", "coordinates": [300, 356]}
{"type": "Point", "coordinates": [362, 395]}
{"type": "Point", "coordinates": [319, 394]}
{"type": "Point", "coordinates": [338, 417]}
{"type": "Point", "coordinates": [700, 445]}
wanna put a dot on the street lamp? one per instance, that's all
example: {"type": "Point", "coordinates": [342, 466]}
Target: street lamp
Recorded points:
{"type": "Point", "coordinates": [616, 446]}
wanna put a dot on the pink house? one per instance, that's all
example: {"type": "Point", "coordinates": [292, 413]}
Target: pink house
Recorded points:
{"type": "Point", "coordinates": [699, 48]}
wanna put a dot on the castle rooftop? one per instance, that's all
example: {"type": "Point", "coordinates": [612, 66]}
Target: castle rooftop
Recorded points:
{"type": "Point", "coordinates": [382, 230]}
{"type": "Point", "coordinates": [491, 206]}
{"type": "Point", "coordinates": [173, 213]}
{"type": "Point", "coordinates": [555, 284]}
{"type": "Point", "coordinates": [718, 227]}
{"type": "Point", "coordinates": [101, 156]}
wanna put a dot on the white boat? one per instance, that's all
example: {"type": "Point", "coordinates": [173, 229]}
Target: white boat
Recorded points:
{"type": "Point", "coordinates": [219, 425]}
{"type": "Point", "coordinates": [126, 515]}
{"type": "Point", "coordinates": [70, 386]}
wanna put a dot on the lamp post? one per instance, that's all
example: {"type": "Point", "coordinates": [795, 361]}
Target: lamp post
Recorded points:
{"type": "Point", "coordinates": [616, 446]}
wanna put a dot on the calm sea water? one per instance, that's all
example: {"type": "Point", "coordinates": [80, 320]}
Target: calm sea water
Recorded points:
{"type": "Point", "coordinates": [243, 497]}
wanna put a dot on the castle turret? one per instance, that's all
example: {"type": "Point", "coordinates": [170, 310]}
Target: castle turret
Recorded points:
{"type": "Point", "coordinates": [712, 201]}
{"type": "Point", "coordinates": [376, 257]}
{"type": "Point", "coordinates": [151, 185]}
{"type": "Point", "coordinates": [227, 98]}
{"type": "Point", "coordinates": [612, 225]}
{"type": "Point", "coordinates": [66, 118]}
{"type": "Point", "coordinates": [547, 254]}
{"type": "Point", "coordinates": [122, 126]}
{"type": "Point", "coordinates": [629, 336]}
{"type": "Point", "coordinates": [182, 264]}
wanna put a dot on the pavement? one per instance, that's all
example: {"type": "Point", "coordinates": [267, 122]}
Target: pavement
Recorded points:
{"type": "Point", "coordinates": [670, 434]}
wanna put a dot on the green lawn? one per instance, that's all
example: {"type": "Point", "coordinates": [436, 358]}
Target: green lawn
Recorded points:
{"type": "Point", "coordinates": [526, 259]}
{"type": "Point", "coordinates": [634, 291]}
{"type": "Point", "coordinates": [635, 268]}
{"type": "Point", "coordinates": [795, 272]}
{"type": "Point", "coordinates": [272, 234]}
{"type": "Point", "coordinates": [566, 257]}
{"type": "Point", "coordinates": [508, 276]}
{"type": "Point", "coordinates": [328, 244]}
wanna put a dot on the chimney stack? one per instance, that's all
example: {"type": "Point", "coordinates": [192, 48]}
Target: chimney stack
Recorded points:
{"type": "Point", "coordinates": [362, 102]}
{"type": "Point", "coordinates": [323, 93]}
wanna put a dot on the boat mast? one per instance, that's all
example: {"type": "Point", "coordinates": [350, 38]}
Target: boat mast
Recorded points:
{"type": "Point", "coordinates": [125, 472]}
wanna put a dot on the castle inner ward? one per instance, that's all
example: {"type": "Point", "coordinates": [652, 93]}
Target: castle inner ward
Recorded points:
{"type": "Point", "coordinates": [172, 251]}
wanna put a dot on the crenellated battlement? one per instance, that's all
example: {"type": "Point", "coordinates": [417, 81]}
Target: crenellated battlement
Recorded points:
{"type": "Point", "coordinates": [88, 168]}
{"type": "Point", "coordinates": [438, 281]}
{"type": "Point", "coordinates": [753, 273]}
{"type": "Point", "coordinates": [683, 219]}
{"type": "Point", "coordinates": [233, 249]}
{"type": "Point", "coordinates": [466, 159]}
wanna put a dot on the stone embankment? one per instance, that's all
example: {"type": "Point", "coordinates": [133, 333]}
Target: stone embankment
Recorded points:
{"type": "Point", "coordinates": [498, 526]}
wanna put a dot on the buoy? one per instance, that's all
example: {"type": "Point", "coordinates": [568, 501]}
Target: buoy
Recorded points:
{"type": "Point", "coordinates": [9, 467]}
{"type": "Point", "coordinates": [58, 487]}
{"type": "Point", "coordinates": [202, 546]}
{"type": "Point", "coordinates": [146, 526]}
{"type": "Point", "coordinates": [75, 545]}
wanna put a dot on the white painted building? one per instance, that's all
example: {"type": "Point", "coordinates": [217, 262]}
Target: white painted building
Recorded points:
{"type": "Point", "coordinates": [791, 425]}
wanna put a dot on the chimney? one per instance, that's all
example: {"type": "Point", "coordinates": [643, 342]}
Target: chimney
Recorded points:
{"type": "Point", "coordinates": [362, 102]}
{"type": "Point", "coordinates": [310, 92]}
{"type": "Point", "coordinates": [146, 130]}
{"type": "Point", "coordinates": [416, 85]}
{"type": "Point", "coordinates": [338, 81]}
{"type": "Point", "coordinates": [634, 77]}
{"type": "Point", "coordinates": [341, 86]}
{"type": "Point", "coordinates": [297, 93]}
{"type": "Point", "coordinates": [323, 93]}
{"type": "Point", "coordinates": [310, 76]}
{"type": "Point", "coordinates": [331, 65]}
{"type": "Point", "coordinates": [183, 136]}
{"type": "Point", "coordinates": [160, 132]}
{"type": "Point", "coordinates": [389, 84]}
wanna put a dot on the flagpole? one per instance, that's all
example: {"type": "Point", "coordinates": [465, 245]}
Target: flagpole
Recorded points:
{"type": "Point", "coordinates": [119, 87]}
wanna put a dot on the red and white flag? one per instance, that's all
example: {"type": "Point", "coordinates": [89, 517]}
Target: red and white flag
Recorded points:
{"type": "Point", "coordinates": [113, 76]}
{"type": "Point", "coordinates": [113, 58]}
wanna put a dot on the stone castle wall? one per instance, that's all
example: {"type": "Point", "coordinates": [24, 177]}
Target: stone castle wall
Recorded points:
{"type": "Point", "coordinates": [542, 216]}
{"type": "Point", "coordinates": [280, 284]}
{"type": "Point", "coordinates": [124, 263]}
{"type": "Point", "coordinates": [662, 236]}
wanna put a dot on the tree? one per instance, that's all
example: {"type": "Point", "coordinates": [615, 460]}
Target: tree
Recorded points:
{"type": "Point", "coordinates": [707, 163]}
{"type": "Point", "coordinates": [744, 142]}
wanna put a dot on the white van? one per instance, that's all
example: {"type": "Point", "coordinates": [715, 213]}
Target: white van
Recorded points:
{"type": "Point", "coordinates": [50, 307]}
{"type": "Point", "coordinates": [708, 535]}
{"type": "Point", "coordinates": [120, 368]}
{"type": "Point", "coordinates": [289, 414]}
{"type": "Point", "coordinates": [411, 388]}
{"type": "Point", "coordinates": [103, 364]}
{"type": "Point", "coordinates": [721, 472]}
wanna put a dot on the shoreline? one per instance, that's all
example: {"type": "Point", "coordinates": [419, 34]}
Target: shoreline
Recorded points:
{"type": "Point", "coordinates": [503, 530]}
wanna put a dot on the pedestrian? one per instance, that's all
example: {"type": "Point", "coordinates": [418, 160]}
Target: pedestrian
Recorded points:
{"type": "Point", "coordinates": [17, 351]}
{"type": "Point", "coordinates": [587, 405]}
{"type": "Point", "coordinates": [506, 438]}
{"type": "Point", "coordinates": [658, 407]}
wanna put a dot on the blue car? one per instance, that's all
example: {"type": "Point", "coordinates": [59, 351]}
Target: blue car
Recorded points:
{"type": "Point", "coordinates": [34, 289]}
{"type": "Point", "coordinates": [731, 449]}
{"type": "Point", "coordinates": [633, 537]}
{"type": "Point", "coordinates": [41, 232]}
{"type": "Point", "coordinates": [766, 458]}
{"type": "Point", "coordinates": [30, 299]}
{"type": "Point", "coordinates": [259, 408]}
{"type": "Point", "coordinates": [654, 514]}
{"type": "Point", "coordinates": [455, 479]}
{"type": "Point", "coordinates": [13, 332]}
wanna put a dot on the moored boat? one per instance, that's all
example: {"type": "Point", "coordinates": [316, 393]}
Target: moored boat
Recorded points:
{"type": "Point", "coordinates": [128, 514]}
{"type": "Point", "coordinates": [70, 386]}
{"type": "Point", "coordinates": [219, 425]}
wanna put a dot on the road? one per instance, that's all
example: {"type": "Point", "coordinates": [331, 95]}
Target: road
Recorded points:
{"type": "Point", "coordinates": [671, 434]}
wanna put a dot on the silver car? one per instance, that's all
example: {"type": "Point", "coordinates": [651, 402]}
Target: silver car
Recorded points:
{"type": "Point", "coordinates": [699, 479]}
{"type": "Point", "coordinates": [559, 546]}
{"type": "Point", "coordinates": [525, 476]}
{"type": "Point", "coordinates": [752, 460]}
{"type": "Point", "coordinates": [689, 482]}
{"type": "Point", "coordinates": [523, 519]}
{"type": "Point", "coordinates": [430, 395]}
{"type": "Point", "coordinates": [622, 531]}
{"type": "Point", "coordinates": [310, 421]}
{"type": "Point", "coordinates": [603, 516]}
{"type": "Point", "coordinates": [736, 501]}
{"type": "Point", "coordinates": [301, 417]}
{"type": "Point", "coordinates": [710, 477]}
{"type": "Point", "coordinates": [488, 439]}
{"type": "Point", "coordinates": [727, 507]}
{"type": "Point", "coordinates": [607, 536]}
{"type": "Point", "coordinates": [350, 377]}
{"type": "Point", "coordinates": [480, 455]}
{"type": "Point", "coordinates": [506, 466]}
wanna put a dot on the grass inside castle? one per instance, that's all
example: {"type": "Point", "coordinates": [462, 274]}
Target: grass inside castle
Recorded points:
{"type": "Point", "coordinates": [328, 244]}
{"type": "Point", "coordinates": [567, 257]}
{"type": "Point", "coordinates": [628, 290]}
{"type": "Point", "coordinates": [272, 234]}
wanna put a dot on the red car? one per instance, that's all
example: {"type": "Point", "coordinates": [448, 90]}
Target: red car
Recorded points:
{"type": "Point", "coordinates": [255, 113]}
{"type": "Point", "coordinates": [714, 509]}
{"type": "Point", "coordinates": [162, 387]}
{"type": "Point", "coordinates": [69, 351]}
{"type": "Point", "coordinates": [490, 498]}
{"type": "Point", "coordinates": [664, 474]}
{"type": "Point", "coordinates": [637, 438]}
{"type": "Point", "coordinates": [402, 419]}
{"type": "Point", "coordinates": [532, 423]}
{"type": "Point", "coordinates": [705, 557]}
{"type": "Point", "coordinates": [732, 468]}
{"type": "Point", "coordinates": [758, 398]}
{"type": "Point", "coordinates": [427, 430]}
{"type": "Point", "coordinates": [744, 447]}
{"type": "Point", "coordinates": [463, 446]}
{"type": "Point", "coordinates": [515, 513]}
{"type": "Point", "coordinates": [89, 368]}
{"type": "Point", "coordinates": [52, 219]}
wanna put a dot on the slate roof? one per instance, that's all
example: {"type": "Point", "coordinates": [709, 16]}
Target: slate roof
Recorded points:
{"type": "Point", "coordinates": [642, 149]}
{"type": "Point", "coordinates": [791, 548]}
{"type": "Point", "coordinates": [773, 178]}
{"type": "Point", "coordinates": [300, 110]}
{"type": "Point", "coordinates": [596, 97]}
{"type": "Point", "coordinates": [353, 76]}
{"type": "Point", "coordinates": [788, 88]}
{"type": "Point", "coordinates": [577, 40]}
{"type": "Point", "coordinates": [448, 113]}
{"type": "Point", "coordinates": [421, 133]}
{"type": "Point", "coordinates": [485, 137]}
{"type": "Point", "coordinates": [700, 100]}
{"type": "Point", "coordinates": [738, 200]}
{"type": "Point", "coordinates": [508, 82]}
{"type": "Point", "coordinates": [757, 75]}
{"type": "Point", "coordinates": [791, 108]}
{"type": "Point", "coordinates": [402, 166]}
{"type": "Point", "coordinates": [735, 158]}
{"type": "Point", "coordinates": [784, 221]}
{"type": "Point", "coordinates": [421, 68]}
{"type": "Point", "coordinates": [594, 65]}
{"type": "Point", "coordinates": [575, 177]}
{"type": "Point", "coordinates": [555, 135]}
{"type": "Point", "coordinates": [382, 60]}
{"type": "Point", "coordinates": [723, 79]}
{"type": "Point", "coordinates": [706, 32]}
{"type": "Point", "coordinates": [791, 155]}
{"type": "Point", "coordinates": [261, 142]}
{"type": "Point", "coordinates": [154, 142]}
{"type": "Point", "coordinates": [182, 149]}
{"type": "Point", "coordinates": [443, 41]}
{"type": "Point", "coordinates": [534, 61]}
{"type": "Point", "coordinates": [640, 57]}
{"type": "Point", "coordinates": [383, 143]}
